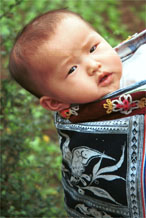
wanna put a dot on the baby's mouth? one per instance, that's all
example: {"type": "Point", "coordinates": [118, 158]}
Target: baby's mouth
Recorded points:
{"type": "Point", "coordinates": [105, 79]}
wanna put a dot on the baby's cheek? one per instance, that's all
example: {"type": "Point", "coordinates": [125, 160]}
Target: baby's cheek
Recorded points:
{"type": "Point", "coordinates": [120, 67]}
{"type": "Point", "coordinates": [117, 62]}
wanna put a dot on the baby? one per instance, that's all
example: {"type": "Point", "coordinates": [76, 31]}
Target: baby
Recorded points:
{"type": "Point", "coordinates": [62, 60]}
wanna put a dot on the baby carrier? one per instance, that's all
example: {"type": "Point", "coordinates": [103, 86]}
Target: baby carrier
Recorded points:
{"type": "Point", "coordinates": [104, 150]}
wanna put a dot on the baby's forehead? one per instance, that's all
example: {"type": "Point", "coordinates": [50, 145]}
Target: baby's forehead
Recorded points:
{"type": "Point", "coordinates": [70, 28]}
{"type": "Point", "coordinates": [71, 35]}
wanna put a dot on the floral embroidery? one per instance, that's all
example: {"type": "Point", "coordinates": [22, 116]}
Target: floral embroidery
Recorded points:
{"type": "Point", "coordinates": [108, 106]}
{"type": "Point", "coordinates": [124, 104]}
{"type": "Point", "coordinates": [65, 113]}
{"type": "Point", "coordinates": [79, 158]}
{"type": "Point", "coordinates": [70, 111]}
{"type": "Point", "coordinates": [88, 182]}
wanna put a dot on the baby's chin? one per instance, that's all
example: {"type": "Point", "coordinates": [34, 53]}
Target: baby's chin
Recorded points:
{"type": "Point", "coordinates": [113, 89]}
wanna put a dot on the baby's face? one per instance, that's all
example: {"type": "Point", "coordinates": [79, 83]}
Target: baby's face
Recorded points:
{"type": "Point", "coordinates": [83, 66]}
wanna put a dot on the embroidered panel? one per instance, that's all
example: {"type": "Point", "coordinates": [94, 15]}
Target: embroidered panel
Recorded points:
{"type": "Point", "coordinates": [103, 168]}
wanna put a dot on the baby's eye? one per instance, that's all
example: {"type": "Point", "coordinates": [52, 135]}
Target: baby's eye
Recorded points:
{"type": "Point", "coordinates": [72, 69]}
{"type": "Point", "coordinates": [93, 48]}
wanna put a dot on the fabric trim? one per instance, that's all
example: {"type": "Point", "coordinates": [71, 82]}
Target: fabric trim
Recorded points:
{"type": "Point", "coordinates": [143, 172]}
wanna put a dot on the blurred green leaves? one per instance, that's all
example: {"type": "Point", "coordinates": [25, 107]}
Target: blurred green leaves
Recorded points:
{"type": "Point", "coordinates": [31, 159]}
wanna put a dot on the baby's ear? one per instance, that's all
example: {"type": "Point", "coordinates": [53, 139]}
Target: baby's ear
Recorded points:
{"type": "Point", "coordinates": [52, 104]}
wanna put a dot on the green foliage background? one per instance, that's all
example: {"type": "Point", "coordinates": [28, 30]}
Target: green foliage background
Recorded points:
{"type": "Point", "coordinates": [31, 159]}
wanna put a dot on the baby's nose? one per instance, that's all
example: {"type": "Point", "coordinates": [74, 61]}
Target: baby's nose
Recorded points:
{"type": "Point", "coordinates": [93, 67]}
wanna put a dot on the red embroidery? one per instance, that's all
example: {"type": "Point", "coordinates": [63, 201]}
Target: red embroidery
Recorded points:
{"type": "Point", "coordinates": [69, 111]}
{"type": "Point", "coordinates": [124, 104]}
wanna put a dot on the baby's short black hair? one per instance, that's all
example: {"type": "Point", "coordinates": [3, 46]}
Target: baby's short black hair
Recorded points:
{"type": "Point", "coordinates": [26, 49]}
